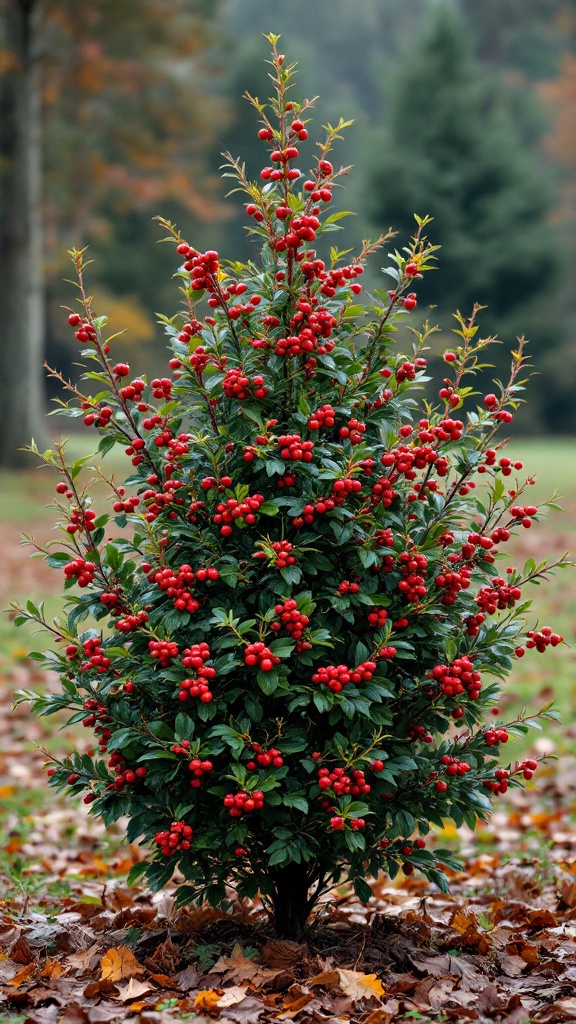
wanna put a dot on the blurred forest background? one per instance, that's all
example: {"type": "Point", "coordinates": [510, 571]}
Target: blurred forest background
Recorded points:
{"type": "Point", "coordinates": [111, 113]}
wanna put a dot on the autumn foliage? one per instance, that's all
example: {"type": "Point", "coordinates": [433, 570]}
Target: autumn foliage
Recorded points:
{"type": "Point", "coordinates": [287, 629]}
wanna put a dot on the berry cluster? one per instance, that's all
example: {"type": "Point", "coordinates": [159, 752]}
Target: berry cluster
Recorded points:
{"type": "Point", "coordinates": [452, 581]}
{"type": "Point", "coordinates": [500, 595]}
{"type": "Point", "coordinates": [335, 278]}
{"type": "Point", "coordinates": [203, 267]}
{"type": "Point", "coordinates": [189, 330]}
{"type": "Point", "coordinates": [413, 567]}
{"type": "Point", "coordinates": [86, 331]}
{"type": "Point", "coordinates": [237, 385]}
{"type": "Point", "coordinates": [494, 736]}
{"type": "Point", "coordinates": [377, 618]}
{"type": "Point", "coordinates": [271, 758]}
{"type": "Point", "coordinates": [337, 676]}
{"type": "Point", "coordinates": [500, 782]}
{"type": "Point", "coordinates": [81, 519]}
{"type": "Point", "coordinates": [338, 824]}
{"type": "Point", "coordinates": [293, 448]}
{"type": "Point", "coordinates": [80, 570]}
{"type": "Point", "coordinates": [282, 549]}
{"type": "Point", "coordinates": [131, 622]}
{"type": "Point", "coordinates": [242, 802]}
{"type": "Point", "coordinates": [161, 388]}
{"type": "Point", "coordinates": [323, 417]}
{"type": "Point", "coordinates": [260, 655]}
{"type": "Point", "coordinates": [163, 651]}
{"type": "Point", "coordinates": [178, 838]}
{"type": "Point", "coordinates": [125, 776]}
{"type": "Point", "coordinates": [178, 585]}
{"type": "Point", "coordinates": [347, 587]}
{"type": "Point", "coordinates": [292, 620]}
{"type": "Point", "coordinates": [196, 657]}
{"type": "Point", "coordinates": [353, 431]}
{"type": "Point", "coordinates": [454, 766]}
{"type": "Point", "coordinates": [233, 509]}
{"type": "Point", "coordinates": [94, 655]}
{"type": "Point", "coordinates": [97, 717]}
{"type": "Point", "coordinates": [198, 769]}
{"type": "Point", "coordinates": [457, 677]}
{"type": "Point", "coordinates": [132, 392]}
{"type": "Point", "coordinates": [343, 784]}
{"type": "Point", "coordinates": [524, 513]}
{"type": "Point", "coordinates": [419, 734]}
{"type": "Point", "coordinates": [124, 504]}
{"type": "Point", "coordinates": [543, 638]}
{"type": "Point", "coordinates": [383, 492]}
{"type": "Point", "coordinates": [158, 501]}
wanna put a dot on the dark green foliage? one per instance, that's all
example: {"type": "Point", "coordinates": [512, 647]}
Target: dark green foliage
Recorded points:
{"type": "Point", "coordinates": [288, 619]}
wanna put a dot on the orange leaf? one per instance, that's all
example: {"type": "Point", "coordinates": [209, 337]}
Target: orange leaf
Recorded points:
{"type": "Point", "coordinates": [207, 999]}
{"type": "Point", "coordinates": [119, 963]}
{"type": "Point", "coordinates": [24, 975]}
{"type": "Point", "coordinates": [52, 969]}
{"type": "Point", "coordinates": [460, 923]}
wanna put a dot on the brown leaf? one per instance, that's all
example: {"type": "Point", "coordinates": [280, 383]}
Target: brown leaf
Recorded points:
{"type": "Point", "coordinates": [23, 975]}
{"type": "Point", "coordinates": [539, 919]}
{"type": "Point", "coordinates": [119, 963]}
{"type": "Point", "coordinates": [283, 953]}
{"type": "Point", "coordinates": [568, 893]}
{"type": "Point", "coordinates": [187, 979]}
{"type": "Point", "coordinates": [238, 967]}
{"type": "Point", "coordinates": [384, 1014]}
{"type": "Point", "coordinates": [74, 1014]}
{"type": "Point", "coordinates": [326, 978]}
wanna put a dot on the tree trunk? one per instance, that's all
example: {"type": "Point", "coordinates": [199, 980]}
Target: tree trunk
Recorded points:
{"type": "Point", "coordinates": [291, 902]}
{"type": "Point", "coordinates": [21, 234]}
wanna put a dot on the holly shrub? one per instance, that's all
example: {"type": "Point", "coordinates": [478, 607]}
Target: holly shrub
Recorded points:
{"type": "Point", "coordinates": [288, 628]}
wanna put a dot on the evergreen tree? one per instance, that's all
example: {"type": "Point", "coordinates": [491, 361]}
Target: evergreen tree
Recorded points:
{"type": "Point", "coordinates": [452, 151]}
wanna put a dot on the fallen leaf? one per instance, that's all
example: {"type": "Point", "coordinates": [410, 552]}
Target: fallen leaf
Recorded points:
{"type": "Point", "coordinates": [52, 969]}
{"type": "Point", "coordinates": [23, 976]}
{"type": "Point", "coordinates": [283, 953]}
{"type": "Point", "coordinates": [238, 967]}
{"type": "Point", "coordinates": [233, 995]}
{"type": "Point", "coordinates": [207, 999]}
{"type": "Point", "coordinates": [118, 963]}
{"type": "Point", "coordinates": [327, 979]}
{"type": "Point", "coordinates": [360, 986]}
{"type": "Point", "coordinates": [134, 989]}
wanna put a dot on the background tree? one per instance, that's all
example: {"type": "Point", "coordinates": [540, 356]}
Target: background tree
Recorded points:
{"type": "Point", "coordinates": [21, 229]}
{"type": "Point", "coordinates": [126, 122]}
{"type": "Point", "coordinates": [452, 151]}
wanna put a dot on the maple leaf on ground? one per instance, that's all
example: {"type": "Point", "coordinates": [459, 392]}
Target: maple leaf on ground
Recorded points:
{"type": "Point", "coordinates": [118, 963]}
{"type": "Point", "coordinates": [237, 967]}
